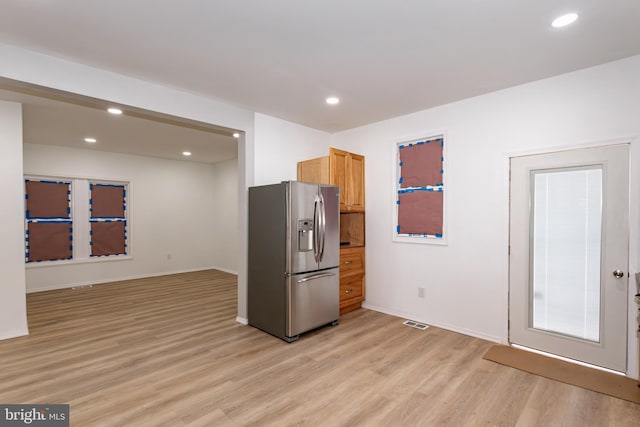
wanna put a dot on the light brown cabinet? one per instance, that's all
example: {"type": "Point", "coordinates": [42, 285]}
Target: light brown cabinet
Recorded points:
{"type": "Point", "coordinates": [346, 170]}
{"type": "Point", "coordinates": [351, 279]}
{"type": "Point", "coordinates": [341, 168]}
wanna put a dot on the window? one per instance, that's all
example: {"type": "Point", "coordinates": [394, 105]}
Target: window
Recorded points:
{"type": "Point", "coordinates": [48, 223]}
{"type": "Point", "coordinates": [75, 219]}
{"type": "Point", "coordinates": [108, 222]}
{"type": "Point", "coordinates": [420, 190]}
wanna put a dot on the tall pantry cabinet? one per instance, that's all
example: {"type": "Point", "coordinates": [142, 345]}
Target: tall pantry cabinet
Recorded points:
{"type": "Point", "coordinates": [346, 170]}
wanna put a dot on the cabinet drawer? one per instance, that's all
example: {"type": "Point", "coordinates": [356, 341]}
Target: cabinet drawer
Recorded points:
{"type": "Point", "coordinates": [351, 261]}
{"type": "Point", "coordinates": [351, 287]}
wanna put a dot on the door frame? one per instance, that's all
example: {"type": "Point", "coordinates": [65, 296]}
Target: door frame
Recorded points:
{"type": "Point", "coordinates": [633, 351]}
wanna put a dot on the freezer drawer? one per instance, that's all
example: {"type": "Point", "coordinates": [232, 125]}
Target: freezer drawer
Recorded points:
{"type": "Point", "coordinates": [313, 300]}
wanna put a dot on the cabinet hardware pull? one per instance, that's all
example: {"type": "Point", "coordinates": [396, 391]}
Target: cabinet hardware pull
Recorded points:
{"type": "Point", "coordinates": [348, 291]}
{"type": "Point", "coordinates": [348, 262]}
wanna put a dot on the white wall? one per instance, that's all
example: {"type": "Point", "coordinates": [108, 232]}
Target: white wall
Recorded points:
{"type": "Point", "coordinates": [225, 215]}
{"type": "Point", "coordinates": [35, 68]}
{"type": "Point", "coordinates": [466, 282]}
{"type": "Point", "coordinates": [170, 205]}
{"type": "Point", "coordinates": [280, 145]}
{"type": "Point", "coordinates": [13, 313]}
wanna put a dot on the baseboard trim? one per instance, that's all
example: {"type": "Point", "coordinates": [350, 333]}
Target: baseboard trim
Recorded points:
{"type": "Point", "coordinates": [242, 320]}
{"type": "Point", "coordinates": [440, 325]}
{"type": "Point", "coordinates": [14, 334]}
{"type": "Point", "coordinates": [226, 270]}
{"type": "Point", "coordinates": [117, 279]}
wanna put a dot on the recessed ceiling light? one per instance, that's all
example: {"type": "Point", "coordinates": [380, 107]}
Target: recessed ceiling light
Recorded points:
{"type": "Point", "coordinates": [90, 140]}
{"type": "Point", "coordinates": [236, 135]}
{"type": "Point", "coordinates": [186, 153]}
{"type": "Point", "coordinates": [564, 20]}
{"type": "Point", "coordinates": [332, 100]}
{"type": "Point", "coordinates": [114, 110]}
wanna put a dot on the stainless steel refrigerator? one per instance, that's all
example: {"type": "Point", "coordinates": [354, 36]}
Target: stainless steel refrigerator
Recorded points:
{"type": "Point", "coordinates": [294, 254]}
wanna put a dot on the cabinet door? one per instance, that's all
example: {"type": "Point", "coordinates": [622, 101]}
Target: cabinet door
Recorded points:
{"type": "Point", "coordinates": [338, 170]}
{"type": "Point", "coordinates": [351, 290]}
{"type": "Point", "coordinates": [355, 163]}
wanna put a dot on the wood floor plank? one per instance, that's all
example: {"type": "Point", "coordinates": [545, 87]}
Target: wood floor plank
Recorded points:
{"type": "Point", "coordinates": [167, 351]}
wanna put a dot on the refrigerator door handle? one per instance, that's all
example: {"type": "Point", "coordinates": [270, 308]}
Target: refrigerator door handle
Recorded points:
{"type": "Point", "coordinates": [316, 228]}
{"type": "Point", "coordinates": [315, 276]}
{"type": "Point", "coordinates": [323, 225]}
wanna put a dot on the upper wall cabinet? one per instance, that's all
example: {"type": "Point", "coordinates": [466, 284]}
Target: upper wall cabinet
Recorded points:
{"type": "Point", "coordinates": [347, 172]}
{"type": "Point", "coordinates": [341, 168]}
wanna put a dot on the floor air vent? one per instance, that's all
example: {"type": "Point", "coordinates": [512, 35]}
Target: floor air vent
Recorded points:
{"type": "Point", "coordinates": [415, 324]}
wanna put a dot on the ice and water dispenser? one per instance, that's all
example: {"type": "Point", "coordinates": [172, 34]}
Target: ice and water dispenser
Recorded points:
{"type": "Point", "coordinates": [305, 235]}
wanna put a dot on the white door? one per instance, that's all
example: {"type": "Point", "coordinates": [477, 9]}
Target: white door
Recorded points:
{"type": "Point", "coordinates": [568, 264]}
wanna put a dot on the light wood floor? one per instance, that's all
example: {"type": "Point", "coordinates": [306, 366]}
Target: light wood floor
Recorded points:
{"type": "Point", "coordinates": [167, 351]}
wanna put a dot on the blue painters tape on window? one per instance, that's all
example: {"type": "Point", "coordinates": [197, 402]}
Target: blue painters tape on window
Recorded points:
{"type": "Point", "coordinates": [90, 202]}
{"type": "Point", "coordinates": [40, 218]}
{"type": "Point", "coordinates": [442, 159]}
{"type": "Point", "coordinates": [90, 186]}
{"type": "Point", "coordinates": [398, 229]}
{"type": "Point", "coordinates": [26, 196]}
{"type": "Point", "coordinates": [26, 232]}
{"type": "Point", "coordinates": [107, 219]}
{"type": "Point", "coordinates": [400, 180]}
{"type": "Point", "coordinates": [411, 145]}
{"type": "Point", "coordinates": [28, 214]}
{"type": "Point", "coordinates": [438, 236]}
{"type": "Point", "coordinates": [70, 247]}
{"type": "Point", "coordinates": [441, 171]}
{"type": "Point", "coordinates": [442, 143]}
{"type": "Point", "coordinates": [26, 239]}
{"type": "Point", "coordinates": [54, 182]}
{"type": "Point", "coordinates": [109, 185]}
{"type": "Point", "coordinates": [421, 142]}
{"type": "Point", "coordinates": [397, 202]}
{"type": "Point", "coordinates": [401, 146]}
{"type": "Point", "coordinates": [401, 163]}
{"type": "Point", "coordinates": [411, 190]}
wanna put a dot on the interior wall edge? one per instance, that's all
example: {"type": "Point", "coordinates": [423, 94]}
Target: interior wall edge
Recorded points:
{"type": "Point", "coordinates": [422, 319]}
{"type": "Point", "coordinates": [117, 279]}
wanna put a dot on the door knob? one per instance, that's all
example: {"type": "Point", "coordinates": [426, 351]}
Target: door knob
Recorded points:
{"type": "Point", "coordinates": [618, 274]}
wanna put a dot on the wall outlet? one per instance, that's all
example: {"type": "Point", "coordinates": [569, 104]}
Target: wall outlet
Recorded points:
{"type": "Point", "coordinates": [420, 292]}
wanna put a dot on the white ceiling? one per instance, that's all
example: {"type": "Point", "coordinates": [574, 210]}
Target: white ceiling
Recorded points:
{"type": "Point", "coordinates": [383, 58]}
{"type": "Point", "coordinates": [52, 122]}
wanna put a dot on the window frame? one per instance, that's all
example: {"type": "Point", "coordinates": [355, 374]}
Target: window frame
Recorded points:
{"type": "Point", "coordinates": [396, 189]}
{"type": "Point", "coordinates": [28, 219]}
{"type": "Point", "coordinates": [108, 219]}
{"type": "Point", "coordinates": [80, 216]}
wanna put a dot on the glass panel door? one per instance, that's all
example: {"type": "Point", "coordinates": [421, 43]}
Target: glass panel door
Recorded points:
{"type": "Point", "coordinates": [569, 254]}
{"type": "Point", "coordinates": [565, 248]}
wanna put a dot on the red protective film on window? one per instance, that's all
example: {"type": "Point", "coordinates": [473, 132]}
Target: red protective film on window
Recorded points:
{"type": "Point", "coordinates": [107, 201]}
{"type": "Point", "coordinates": [421, 164]}
{"type": "Point", "coordinates": [47, 199]}
{"type": "Point", "coordinates": [49, 241]}
{"type": "Point", "coordinates": [420, 212]}
{"type": "Point", "coordinates": [108, 238]}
